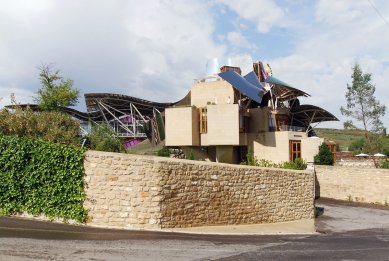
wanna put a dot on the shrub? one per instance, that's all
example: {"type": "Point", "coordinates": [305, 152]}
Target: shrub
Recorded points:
{"type": "Point", "coordinates": [164, 152]}
{"type": "Point", "coordinates": [39, 177]}
{"type": "Point", "coordinates": [103, 138]}
{"type": "Point", "coordinates": [251, 160]}
{"type": "Point", "coordinates": [265, 163]}
{"type": "Point", "coordinates": [298, 164]}
{"type": "Point", "coordinates": [385, 164]}
{"type": "Point", "coordinates": [325, 156]}
{"type": "Point", "coordinates": [55, 127]}
{"type": "Point", "coordinates": [191, 156]}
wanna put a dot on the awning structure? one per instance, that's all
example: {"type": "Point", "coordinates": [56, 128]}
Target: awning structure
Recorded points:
{"type": "Point", "coordinates": [243, 85]}
{"type": "Point", "coordinates": [130, 117]}
{"type": "Point", "coordinates": [283, 91]}
{"type": "Point", "coordinates": [119, 104]}
{"type": "Point", "coordinates": [306, 114]}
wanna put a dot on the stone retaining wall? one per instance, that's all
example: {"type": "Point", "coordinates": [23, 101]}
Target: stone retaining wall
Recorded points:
{"type": "Point", "coordinates": [356, 184]}
{"type": "Point", "coordinates": [153, 192]}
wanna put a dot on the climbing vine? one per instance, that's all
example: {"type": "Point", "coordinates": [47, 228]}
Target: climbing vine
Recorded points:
{"type": "Point", "coordinates": [39, 177]}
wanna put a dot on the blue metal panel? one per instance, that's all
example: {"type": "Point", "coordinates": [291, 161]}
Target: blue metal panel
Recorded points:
{"type": "Point", "coordinates": [253, 79]}
{"type": "Point", "coordinates": [242, 85]}
{"type": "Point", "coordinates": [274, 80]}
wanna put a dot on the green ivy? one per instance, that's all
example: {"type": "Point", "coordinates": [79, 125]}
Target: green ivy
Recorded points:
{"type": "Point", "coordinates": [39, 177]}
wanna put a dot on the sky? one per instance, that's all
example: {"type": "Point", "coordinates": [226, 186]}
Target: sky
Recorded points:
{"type": "Point", "coordinates": [154, 49]}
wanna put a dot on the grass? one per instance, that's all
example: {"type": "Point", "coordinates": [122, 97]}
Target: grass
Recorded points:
{"type": "Point", "coordinates": [342, 137]}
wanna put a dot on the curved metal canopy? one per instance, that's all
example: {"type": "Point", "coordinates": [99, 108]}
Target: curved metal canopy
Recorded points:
{"type": "Point", "coordinates": [283, 91]}
{"type": "Point", "coordinates": [121, 103]}
{"type": "Point", "coordinates": [306, 114]}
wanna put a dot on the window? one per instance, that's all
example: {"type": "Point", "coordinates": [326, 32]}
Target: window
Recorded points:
{"type": "Point", "coordinates": [203, 120]}
{"type": "Point", "coordinates": [294, 149]}
{"type": "Point", "coordinates": [243, 123]}
{"type": "Point", "coordinates": [282, 122]}
{"type": "Point", "coordinates": [271, 122]}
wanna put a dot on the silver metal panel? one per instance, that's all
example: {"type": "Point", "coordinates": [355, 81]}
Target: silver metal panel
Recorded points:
{"type": "Point", "coordinates": [242, 85]}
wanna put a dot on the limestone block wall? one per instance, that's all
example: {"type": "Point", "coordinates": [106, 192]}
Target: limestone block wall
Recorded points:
{"type": "Point", "coordinates": [198, 194]}
{"type": "Point", "coordinates": [133, 191]}
{"type": "Point", "coordinates": [357, 184]}
{"type": "Point", "coordinates": [122, 190]}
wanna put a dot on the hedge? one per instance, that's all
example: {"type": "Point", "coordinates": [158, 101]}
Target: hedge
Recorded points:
{"type": "Point", "coordinates": [38, 177]}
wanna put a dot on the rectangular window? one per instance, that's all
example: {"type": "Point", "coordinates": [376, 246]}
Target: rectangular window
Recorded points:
{"type": "Point", "coordinates": [294, 149]}
{"type": "Point", "coordinates": [272, 126]}
{"type": "Point", "coordinates": [203, 120]}
{"type": "Point", "coordinates": [282, 122]}
{"type": "Point", "coordinates": [243, 123]}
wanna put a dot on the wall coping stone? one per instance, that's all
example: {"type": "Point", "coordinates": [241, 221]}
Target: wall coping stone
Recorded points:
{"type": "Point", "coordinates": [187, 161]}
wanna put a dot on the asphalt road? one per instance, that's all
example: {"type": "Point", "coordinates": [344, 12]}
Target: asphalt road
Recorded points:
{"type": "Point", "coordinates": [348, 232]}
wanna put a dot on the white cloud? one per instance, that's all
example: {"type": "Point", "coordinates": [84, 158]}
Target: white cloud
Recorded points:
{"type": "Point", "coordinates": [238, 40]}
{"type": "Point", "coordinates": [264, 13]}
{"type": "Point", "coordinates": [21, 95]}
{"type": "Point", "coordinates": [130, 47]}
{"type": "Point", "coordinates": [153, 51]}
{"type": "Point", "coordinates": [321, 64]}
{"type": "Point", "coordinates": [23, 10]}
{"type": "Point", "coordinates": [339, 12]}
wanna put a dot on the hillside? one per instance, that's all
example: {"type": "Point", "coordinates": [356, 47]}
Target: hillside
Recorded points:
{"type": "Point", "coordinates": [342, 137]}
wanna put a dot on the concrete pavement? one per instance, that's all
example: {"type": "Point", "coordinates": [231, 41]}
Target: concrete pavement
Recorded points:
{"type": "Point", "coordinates": [350, 232]}
{"type": "Point", "coordinates": [300, 227]}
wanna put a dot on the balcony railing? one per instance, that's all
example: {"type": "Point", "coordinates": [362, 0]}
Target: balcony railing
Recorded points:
{"type": "Point", "coordinates": [287, 128]}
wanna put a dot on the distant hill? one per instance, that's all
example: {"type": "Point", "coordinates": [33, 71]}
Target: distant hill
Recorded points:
{"type": "Point", "coordinates": [342, 137]}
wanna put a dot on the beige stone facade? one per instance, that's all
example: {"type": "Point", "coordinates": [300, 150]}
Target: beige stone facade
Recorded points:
{"type": "Point", "coordinates": [145, 192]}
{"type": "Point", "coordinates": [183, 127]}
{"type": "Point", "coordinates": [223, 125]}
{"type": "Point", "coordinates": [213, 92]}
{"type": "Point", "coordinates": [231, 128]}
{"type": "Point", "coordinates": [355, 184]}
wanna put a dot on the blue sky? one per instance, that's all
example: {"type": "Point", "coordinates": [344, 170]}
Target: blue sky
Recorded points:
{"type": "Point", "coordinates": [154, 49]}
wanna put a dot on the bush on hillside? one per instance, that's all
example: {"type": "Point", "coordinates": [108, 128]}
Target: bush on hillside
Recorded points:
{"type": "Point", "coordinates": [357, 146]}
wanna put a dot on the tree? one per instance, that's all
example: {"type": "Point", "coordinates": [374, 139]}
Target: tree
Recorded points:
{"type": "Point", "coordinates": [56, 92]}
{"type": "Point", "coordinates": [325, 156]}
{"type": "Point", "coordinates": [363, 106]}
